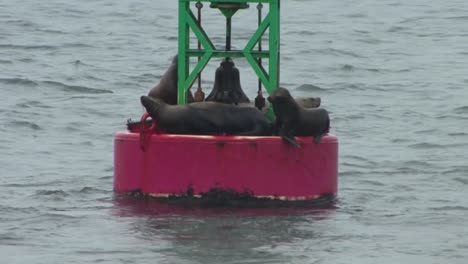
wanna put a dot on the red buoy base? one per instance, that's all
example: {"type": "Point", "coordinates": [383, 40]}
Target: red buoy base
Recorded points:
{"type": "Point", "coordinates": [265, 167]}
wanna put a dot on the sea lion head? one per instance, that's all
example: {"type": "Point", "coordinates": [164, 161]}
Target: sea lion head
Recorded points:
{"type": "Point", "coordinates": [279, 96]}
{"type": "Point", "coordinates": [309, 102]}
{"type": "Point", "coordinates": [152, 105]}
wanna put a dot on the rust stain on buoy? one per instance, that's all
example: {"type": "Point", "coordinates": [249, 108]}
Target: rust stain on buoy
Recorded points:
{"type": "Point", "coordinates": [220, 143]}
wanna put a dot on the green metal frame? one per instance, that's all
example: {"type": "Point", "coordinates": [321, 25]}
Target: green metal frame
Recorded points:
{"type": "Point", "coordinates": [187, 21]}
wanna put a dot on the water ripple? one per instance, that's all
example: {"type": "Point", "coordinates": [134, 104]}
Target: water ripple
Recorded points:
{"type": "Point", "coordinates": [28, 47]}
{"type": "Point", "coordinates": [18, 81]}
{"type": "Point", "coordinates": [58, 193]}
{"type": "Point", "coordinates": [32, 104]}
{"type": "Point", "coordinates": [24, 124]}
{"type": "Point", "coordinates": [310, 88]}
{"type": "Point", "coordinates": [450, 208]}
{"type": "Point", "coordinates": [75, 88]}
{"type": "Point", "coordinates": [461, 110]}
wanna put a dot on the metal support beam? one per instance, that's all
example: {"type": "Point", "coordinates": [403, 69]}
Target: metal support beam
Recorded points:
{"type": "Point", "coordinates": [187, 21]}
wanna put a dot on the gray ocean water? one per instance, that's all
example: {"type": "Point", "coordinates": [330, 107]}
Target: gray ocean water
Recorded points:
{"type": "Point", "coordinates": [392, 73]}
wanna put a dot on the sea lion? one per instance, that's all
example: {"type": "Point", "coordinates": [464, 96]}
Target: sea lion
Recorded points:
{"type": "Point", "coordinates": [309, 102]}
{"type": "Point", "coordinates": [207, 118]}
{"type": "Point", "coordinates": [166, 89]}
{"type": "Point", "coordinates": [293, 120]}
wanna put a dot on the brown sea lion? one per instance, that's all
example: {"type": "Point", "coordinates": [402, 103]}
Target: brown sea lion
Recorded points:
{"type": "Point", "coordinates": [309, 102]}
{"type": "Point", "coordinates": [166, 89]}
{"type": "Point", "coordinates": [294, 120]}
{"type": "Point", "coordinates": [207, 118]}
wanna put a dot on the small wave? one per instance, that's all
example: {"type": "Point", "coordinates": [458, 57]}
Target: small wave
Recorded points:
{"type": "Point", "coordinates": [396, 29]}
{"type": "Point", "coordinates": [356, 15]}
{"type": "Point", "coordinates": [406, 170]}
{"type": "Point", "coordinates": [301, 32]}
{"type": "Point", "coordinates": [373, 183]}
{"type": "Point", "coordinates": [461, 180]}
{"type": "Point", "coordinates": [27, 60]}
{"type": "Point", "coordinates": [417, 163]}
{"type": "Point", "coordinates": [51, 193]}
{"type": "Point", "coordinates": [457, 170]}
{"type": "Point", "coordinates": [92, 190]}
{"type": "Point", "coordinates": [355, 117]}
{"type": "Point", "coordinates": [355, 86]}
{"type": "Point", "coordinates": [425, 146]}
{"type": "Point", "coordinates": [75, 88]}
{"type": "Point", "coordinates": [78, 63]}
{"type": "Point", "coordinates": [20, 22]}
{"type": "Point", "coordinates": [461, 110]}
{"type": "Point", "coordinates": [402, 199]}
{"type": "Point", "coordinates": [458, 134]}
{"type": "Point", "coordinates": [24, 124]}
{"type": "Point", "coordinates": [370, 40]}
{"type": "Point", "coordinates": [451, 117]}
{"type": "Point", "coordinates": [400, 140]}
{"type": "Point", "coordinates": [18, 81]}
{"type": "Point", "coordinates": [348, 67]}
{"type": "Point", "coordinates": [427, 131]}
{"type": "Point", "coordinates": [343, 52]}
{"type": "Point", "coordinates": [450, 208]}
{"type": "Point", "coordinates": [457, 18]}
{"type": "Point", "coordinates": [10, 239]}
{"type": "Point", "coordinates": [29, 104]}
{"type": "Point", "coordinates": [354, 165]}
{"type": "Point", "coordinates": [146, 76]}
{"type": "Point", "coordinates": [51, 31]}
{"type": "Point", "coordinates": [359, 158]}
{"type": "Point", "coordinates": [76, 45]}
{"type": "Point", "coordinates": [6, 62]}
{"type": "Point", "coordinates": [28, 47]}
{"type": "Point", "coordinates": [350, 173]}
{"type": "Point", "coordinates": [310, 87]}
{"type": "Point", "coordinates": [13, 210]}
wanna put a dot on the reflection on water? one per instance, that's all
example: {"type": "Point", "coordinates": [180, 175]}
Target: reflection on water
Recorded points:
{"type": "Point", "coordinates": [197, 234]}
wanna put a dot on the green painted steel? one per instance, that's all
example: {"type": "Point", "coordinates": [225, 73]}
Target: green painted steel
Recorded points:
{"type": "Point", "coordinates": [188, 21]}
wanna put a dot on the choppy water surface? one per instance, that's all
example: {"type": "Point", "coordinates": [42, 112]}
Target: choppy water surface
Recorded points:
{"type": "Point", "coordinates": [392, 73]}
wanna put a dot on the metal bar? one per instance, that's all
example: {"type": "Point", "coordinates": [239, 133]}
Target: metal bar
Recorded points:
{"type": "Point", "coordinates": [228, 33]}
{"type": "Point", "coordinates": [198, 68]}
{"type": "Point", "coordinates": [259, 7]}
{"type": "Point", "coordinates": [199, 6]}
{"type": "Point", "coordinates": [182, 64]}
{"type": "Point", "coordinates": [258, 34]}
{"type": "Point", "coordinates": [274, 46]}
{"type": "Point", "coordinates": [230, 54]}
{"type": "Point", "coordinates": [248, 51]}
{"type": "Point", "coordinates": [199, 32]}
{"type": "Point", "coordinates": [188, 21]}
{"type": "Point", "coordinates": [259, 70]}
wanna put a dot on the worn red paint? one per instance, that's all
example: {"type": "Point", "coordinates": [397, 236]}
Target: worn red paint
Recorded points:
{"type": "Point", "coordinates": [272, 168]}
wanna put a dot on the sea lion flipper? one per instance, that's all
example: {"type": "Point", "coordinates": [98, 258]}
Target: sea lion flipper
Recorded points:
{"type": "Point", "coordinates": [291, 140]}
{"type": "Point", "coordinates": [288, 135]}
{"type": "Point", "coordinates": [318, 138]}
